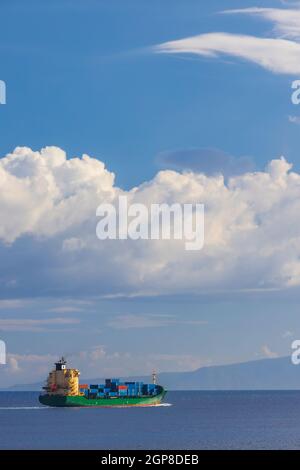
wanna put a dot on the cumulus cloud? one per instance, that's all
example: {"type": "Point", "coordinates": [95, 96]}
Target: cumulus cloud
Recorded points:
{"type": "Point", "coordinates": [280, 56]}
{"type": "Point", "coordinates": [100, 361]}
{"type": "Point", "coordinates": [97, 362]}
{"type": "Point", "coordinates": [43, 193]}
{"type": "Point", "coordinates": [13, 364]}
{"type": "Point", "coordinates": [48, 202]}
{"type": "Point", "coordinates": [26, 367]}
{"type": "Point", "coordinates": [267, 352]}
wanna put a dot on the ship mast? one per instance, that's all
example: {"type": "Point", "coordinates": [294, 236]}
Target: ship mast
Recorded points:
{"type": "Point", "coordinates": [154, 377]}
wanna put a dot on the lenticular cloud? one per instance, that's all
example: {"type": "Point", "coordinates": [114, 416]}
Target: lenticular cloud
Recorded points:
{"type": "Point", "coordinates": [48, 213]}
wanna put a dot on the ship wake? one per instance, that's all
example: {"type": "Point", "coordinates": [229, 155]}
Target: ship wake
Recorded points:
{"type": "Point", "coordinates": [22, 408]}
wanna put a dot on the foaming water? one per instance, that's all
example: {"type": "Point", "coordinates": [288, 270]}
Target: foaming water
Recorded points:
{"type": "Point", "coordinates": [23, 407]}
{"type": "Point", "coordinates": [158, 405]}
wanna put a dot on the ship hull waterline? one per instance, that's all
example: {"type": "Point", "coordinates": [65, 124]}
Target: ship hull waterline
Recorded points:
{"type": "Point", "coordinates": [82, 401]}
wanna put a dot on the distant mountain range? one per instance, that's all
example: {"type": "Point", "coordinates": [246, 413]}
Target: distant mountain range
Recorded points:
{"type": "Point", "coordinates": [265, 374]}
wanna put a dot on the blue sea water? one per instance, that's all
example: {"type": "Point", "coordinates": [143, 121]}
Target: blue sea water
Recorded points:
{"type": "Point", "coordinates": [189, 420]}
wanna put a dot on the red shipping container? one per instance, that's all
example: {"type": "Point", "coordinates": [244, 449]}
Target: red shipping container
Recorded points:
{"type": "Point", "coordinates": [83, 386]}
{"type": "Point", "coordinates": [122, 387]}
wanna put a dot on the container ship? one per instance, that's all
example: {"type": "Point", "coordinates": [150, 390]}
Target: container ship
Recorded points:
{"type": "Point", "coordinates": [63, 389]}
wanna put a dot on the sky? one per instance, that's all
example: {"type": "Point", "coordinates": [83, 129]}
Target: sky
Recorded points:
{"type": "Point", "coordinates": [162, 101]}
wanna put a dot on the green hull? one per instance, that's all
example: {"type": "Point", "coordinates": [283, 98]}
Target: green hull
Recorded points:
{"type": "Point", "coordinates": [80, 401]}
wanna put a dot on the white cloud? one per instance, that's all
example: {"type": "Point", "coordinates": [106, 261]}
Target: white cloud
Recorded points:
{"type": "Point", "coordinates": [65, 309]}
{"type": "Point", "coordinates": [98, 362]}
{"type": "Point", "coordinates": [276, 55]}
{"type": "Point", "coordinates": [141, 320]}
{"type": "Point", "coordinates": [294, 119]}
{"type": "Point", "coordinates": [98, 353]}
{"type": "Point", "coordinates": [13, 364]}
{"type": "Point", "coordinates": [43, 193]}
{"type": "Point", "coordinates": [266, 351]}
{"type": "Point", "coordinates": [286, 21]}
{"type": "Point", "coordinates": [8, 304]}
{"type": "Point", "coordinates": [28, 366]}
{"type": "Point", "coordinates": [252, 231]}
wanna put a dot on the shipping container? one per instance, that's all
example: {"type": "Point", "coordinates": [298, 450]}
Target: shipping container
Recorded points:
{"type": "Point", "coordinates": [83, 386]}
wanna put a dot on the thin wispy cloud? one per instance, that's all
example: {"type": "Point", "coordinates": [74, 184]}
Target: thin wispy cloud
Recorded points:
{"type": "Point", "coordinates": [280, 56]}
{"type": "Point", "coordinates": [65, 309]}
{"type": "Point", "coordinates": [149, 321]}
{"type": "Point", "coordinates": [288, 334]}
{"type": "Point", "coordinates": [12, 304]}
{"type": "Point", "coordinates": [286, 21]}
{"type": "Point", "coordinates": [34, 325]}
{"type": "Point", "coordinates": [294, 119]}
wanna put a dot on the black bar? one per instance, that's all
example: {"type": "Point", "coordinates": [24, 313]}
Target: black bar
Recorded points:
{"type": "Point", "coordinates": [135, 458]}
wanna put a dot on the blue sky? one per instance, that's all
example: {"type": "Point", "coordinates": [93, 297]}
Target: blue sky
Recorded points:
{"type": "Point", "coordinates": [85, 76]}
{"type": "Point", "coordinates": [81, 69]}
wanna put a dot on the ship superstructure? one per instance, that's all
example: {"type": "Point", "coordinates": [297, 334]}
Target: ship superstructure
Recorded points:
{"type": "Point", "coordinates": [63, 381]}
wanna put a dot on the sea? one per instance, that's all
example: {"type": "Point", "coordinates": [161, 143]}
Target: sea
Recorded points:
{"type": "Point", "coordinates": [187, 420]}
